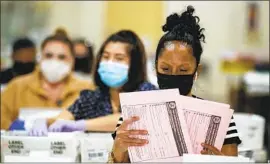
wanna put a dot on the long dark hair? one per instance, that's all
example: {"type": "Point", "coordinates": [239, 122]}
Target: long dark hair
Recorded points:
{"type": "Point", "coordinates": [137, 70]}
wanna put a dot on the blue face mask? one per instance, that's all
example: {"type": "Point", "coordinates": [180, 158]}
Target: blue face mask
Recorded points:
{"type": "Point", "coordinates": [113, 74]}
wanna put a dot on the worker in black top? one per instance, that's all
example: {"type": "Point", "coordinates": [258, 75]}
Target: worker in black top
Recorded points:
{"type": "Point", "coordinates": [177, 65]}
{"type": "Point", "coordinates": [23, 56]}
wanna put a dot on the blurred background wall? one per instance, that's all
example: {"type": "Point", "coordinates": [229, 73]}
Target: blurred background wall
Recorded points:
{"type": "Point", "coordinates": [225, 24]}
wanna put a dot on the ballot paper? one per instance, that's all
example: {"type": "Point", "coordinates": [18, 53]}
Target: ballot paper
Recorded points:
{"type": "Point", "coordinates": [29, 115]}
{"type": "Point", "coordinates": [95, 147]}
{"type": "Point", "coordinates": [213, 158]}
{"type": "Point", "coordinates": [176, 124]}
{"type": "Point", "coordinates": [207, 121]}
{"type": "Point", "coordinates": [160, 115]}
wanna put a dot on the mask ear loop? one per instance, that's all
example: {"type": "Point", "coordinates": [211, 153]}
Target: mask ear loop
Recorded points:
{"type": "Point", "coordinates": [196, 76]}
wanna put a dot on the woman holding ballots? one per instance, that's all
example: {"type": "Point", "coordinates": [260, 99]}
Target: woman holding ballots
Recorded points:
{"type": "Point", "coordinates": [178, 66]}
{"type": "Point", "coordinates": [121, 67]}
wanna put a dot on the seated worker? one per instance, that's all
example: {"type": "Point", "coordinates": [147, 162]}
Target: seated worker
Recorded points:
{"type": "Point", "coordinates": [121, 67]}
{"type": "Point", "coordinates": [51, 85]}
{"type": "Point", "coordinates": [84, 57]}
{"type": "Point", "coordinates": [178, 57]}
{"type": "Point", "coordinates": [24, 60]}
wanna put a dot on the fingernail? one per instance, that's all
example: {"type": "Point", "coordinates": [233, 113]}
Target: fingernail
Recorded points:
{"type": "Point", "coordinates": [136, 118]}
{"type": "Point", "coordinates": [202, 144]}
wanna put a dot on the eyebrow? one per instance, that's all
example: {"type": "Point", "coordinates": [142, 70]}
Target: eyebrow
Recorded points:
{"type": "Point", "coordinates": [186, 64]}
{"type": "Point", "coordinates": [120, 54]}
{"type": "Point", "coordinates": [53, 52]}
{"type": "Point", "coordinates": [123, 54]}
{"type": "Point", "coordinates": [106, 52]}
{"type": "Point", "coordinates": [163, 62]}
{"type": "Point", "coordinates": [183, 64]}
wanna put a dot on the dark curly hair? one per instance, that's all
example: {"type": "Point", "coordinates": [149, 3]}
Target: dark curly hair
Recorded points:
{"type": "Point", "coordinates": [21, 43]}
{"type": "Point", "coordinates": [184, 28]}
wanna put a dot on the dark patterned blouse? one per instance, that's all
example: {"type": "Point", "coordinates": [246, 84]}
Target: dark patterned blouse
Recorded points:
{"type": "Point", "coordinates": [92, 104]}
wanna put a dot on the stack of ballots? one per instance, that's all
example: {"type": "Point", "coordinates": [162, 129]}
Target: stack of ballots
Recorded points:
{"type": "Point", "coordinates": [176, 124]}
{"type": "Point", "coordinates": [56, 147]}
{"type": "Point", "coordinates": [95, 147]}
{"type": "Point", "coordinates": [17, 146]}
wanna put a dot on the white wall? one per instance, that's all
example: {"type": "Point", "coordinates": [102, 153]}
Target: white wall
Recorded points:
{"type": "Point", "coordinates": [64, 14]}
{"type": "Point", "coordinates": [265, 24]}
{"type": "Point", "coordinates": [239, 22]}
{"type": "Point", "coordinates": [80, 18]}
{"type": "Point", "coordinates": [91, 20]}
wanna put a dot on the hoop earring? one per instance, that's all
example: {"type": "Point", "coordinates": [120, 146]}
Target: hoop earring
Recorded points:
{"type": "Point", "coordinates": [195, 84]}
{"type": "Point", "coordinates": [195, 88]}
{"type": "Point", "coordinates": [196, 76]}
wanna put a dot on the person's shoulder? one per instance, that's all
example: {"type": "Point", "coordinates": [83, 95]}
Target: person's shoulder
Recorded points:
{"type": "Point", "coordinates": [23, 79]}
{"type": "Point", "coordinates": [18, 84]}
{"type": "Point", "coordinates": [83, 84]}
{"type": "Point", "coordinates": [146, 86]}
{"type": "Point", "coordinates": [90, 93]}
{"type": "Point", "coordinates": [6, 75]}
{"type": "Point", "coordinates": [6, 71]}
{"type": "Point", "coordinates": [87, 92]}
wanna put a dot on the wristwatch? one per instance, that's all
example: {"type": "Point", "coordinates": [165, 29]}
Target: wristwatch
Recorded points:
{"type": "Point", "coordinates": [111, 157]}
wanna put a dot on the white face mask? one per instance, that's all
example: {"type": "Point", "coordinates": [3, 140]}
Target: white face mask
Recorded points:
{"type": "Point", "coordinates": [54, 70]}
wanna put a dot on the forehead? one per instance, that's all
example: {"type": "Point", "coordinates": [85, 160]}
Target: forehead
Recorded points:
{"type": "Point", "coordinates": [176, 53]}
{"type": "Point", "coordinates": [79, 47]}
{"type": "Point", "coordinates": [26, 50]}
{"type": "Point", "coordinates": [25, 53]}
{"type": "Point", "coordinates": [116, 48]}
{"type": "Point", "coordinates": [56, 47]}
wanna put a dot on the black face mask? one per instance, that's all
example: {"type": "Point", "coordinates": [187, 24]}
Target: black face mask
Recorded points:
{"type": "Point", "coordinates": [82, 64]}
{"type": "Point", "coordinates": [21, 68]}
{"type": "Point", "coordinates": [182, 82]}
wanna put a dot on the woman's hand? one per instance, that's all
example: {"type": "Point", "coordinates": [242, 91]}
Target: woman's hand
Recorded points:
{"type": "Point", "coordinates": [39, 128]}
{"type": "Point", "coordinates": [67, 126]}
{"type": "Point", "coordinates": [125, 138]}
{"type": "Point", "coordinates": [210, 150]}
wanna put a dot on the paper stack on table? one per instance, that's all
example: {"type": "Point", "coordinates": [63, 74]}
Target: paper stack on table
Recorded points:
{"type": "Point", "coordinates": [29, 115]}
{"type": "Point", "coordinates": [56, 147]}
{"type": "Point", "coordinates": [213, 158]}
{"type": "Point", "coordinates": [176, 124]}
{"type": "Point", "coordinates": [95, 147]}
{"type": "Point", "coordinates": [17, 146]}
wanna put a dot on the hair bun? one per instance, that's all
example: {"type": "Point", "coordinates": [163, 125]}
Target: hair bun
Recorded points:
{"type": "Point", "coordinates": [190, 10]}
{"type": "Point", "coordinates": [184, 23]}
{"type": "Point", "coordinates": [172, 21]}
{"type": "Point", "coordinates": [175, 19]}
{"type": "Point", "coordinates": [61, 32]}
